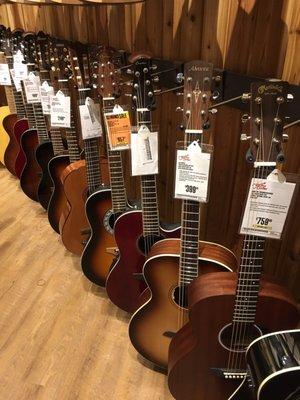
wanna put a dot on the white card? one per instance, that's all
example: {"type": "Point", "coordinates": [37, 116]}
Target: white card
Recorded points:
{"type": "Point", "coordinates": [90, 119]}
{"type": "Point", "coordinates": [144, 152]}
{"type": "Point", "coordinates": [4, 75]}
{"type": "Point", "coordinates": [192, 173]}
{"type": "Point", "coordinates": [32, 88]}
{"type": "Point", "coordinates": [16, 81]}
{"type": "Point", "coordinates": [45, 92]}
{"type": "Point", "coordinates": [267, 207]}
{"type": "Point", "coordinates": [19, 68]}
{"type": "Point", "coordinates": [60, 110]}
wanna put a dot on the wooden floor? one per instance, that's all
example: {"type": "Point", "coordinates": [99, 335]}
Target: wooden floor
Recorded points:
{"type": "Point", "coordinates": [60, 338]}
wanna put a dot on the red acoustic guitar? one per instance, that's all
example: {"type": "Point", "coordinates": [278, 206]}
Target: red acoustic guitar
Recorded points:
{"type": "Point", "coordinates": [137, 231]}
{"type": "Point", "coordinates": [172, 263]}
{"type": "Point", "coordinates": [228, 311]}
{"type": "Point", "coordinates": [104, 203]}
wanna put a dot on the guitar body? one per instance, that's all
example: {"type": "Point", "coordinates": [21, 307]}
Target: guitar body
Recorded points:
{"type": "Point", "coordinates": [73, 220]}
{"type": "Point", "coordinates": [98, 254]}
{"type": "Point", "coordinates": [125, 282]}
{"type": "Point", "coordinates": [21, 126]}
{"type": "Point", "coordinates": [156, 321]}
{"type": "Point", "coordinates": [13, 147]}
{"type": "Point", "coordinates": [31, 173]}
{"type": "Point", "coordinates": [44, 153]}
{"type": "Point", "coordinates": [197, 358]}
{"type": "Point", "coordinates": [58, 200]}
{"type": "Point", "coordinates": [4, 136]}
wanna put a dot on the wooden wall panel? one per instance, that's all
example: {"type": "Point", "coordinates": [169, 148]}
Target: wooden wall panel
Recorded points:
{"type": "Point", "coordinates": [259, 37]}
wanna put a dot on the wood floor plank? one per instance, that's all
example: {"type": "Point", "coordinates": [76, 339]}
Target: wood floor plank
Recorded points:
{"type": "Point", "coordinates": [60, 337]}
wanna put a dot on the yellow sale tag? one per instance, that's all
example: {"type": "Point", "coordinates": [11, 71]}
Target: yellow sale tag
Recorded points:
{"type": "Point", "coordinates": [118, 130]}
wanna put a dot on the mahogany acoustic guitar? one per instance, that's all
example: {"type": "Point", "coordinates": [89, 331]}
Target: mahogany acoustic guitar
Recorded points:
{"type": "Point", "coordinates": [104, 204]}
{"type": "Point", "coordinates": [228, 311]}
{"type": "Point", "coordinates": [172, 263]}
{"type": "Point", "coordinates": [136, 231]}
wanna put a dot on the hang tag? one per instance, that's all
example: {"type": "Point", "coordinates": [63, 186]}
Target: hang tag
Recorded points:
{"type": "Point", "coordinates": [4, 75]}
{"type": "Point", "coordinates": [60, 110]}
{"type": "Point", "coordinates": [90, 119]}
{"type": "Point", "coordinates": [20, 68]}
{"type": "Point", "coordinates": [267, 206]}
{"type": "Point", "coordinates": [32, 88]}
{"type": "Point", "coordinates": [144, 152]}
{"type": "Point", "coordinates": [192, 173]}
{"type": "Point", "coordinates": [16, 81]}
{"type": "Point", "coordinates": [45, 92]}
{"type": "Point", "coordinates": [118, 128]}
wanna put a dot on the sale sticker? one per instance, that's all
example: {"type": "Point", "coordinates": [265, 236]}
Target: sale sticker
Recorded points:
{"type": "Point", "coordinates": [46, 91]}
{"type": "Point", "coordinates": [267, 207]}
{"type": "Point", "coordinates": [90, 119]}
{"type": "Point", "coordinates": [118, 129]}
{"type": "Point", "coordinates": [192, 173]}
{"type": "Point", "coordinates": [60, 110]}
{"type": "Point", "coordinates": [144, 152]}
{"type": "Point", "coordinates": [4, 75]}
{"type": "Point", "coordinates": [32, 88]}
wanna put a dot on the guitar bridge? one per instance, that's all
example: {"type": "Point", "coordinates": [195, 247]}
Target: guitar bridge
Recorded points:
{"type": "Point", "coordinates": [229, 373]}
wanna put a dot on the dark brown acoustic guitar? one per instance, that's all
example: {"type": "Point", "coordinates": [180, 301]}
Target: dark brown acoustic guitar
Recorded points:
{"type": "Point", "coordinates": [228, 311]}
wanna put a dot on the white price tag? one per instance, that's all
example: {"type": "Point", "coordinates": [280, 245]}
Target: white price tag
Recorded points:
{"type": "Point", "coordinates": [60, 110]}
{"type": "Point", "coordinates": [19, 67]}
{"type": "Point", "coordinates": [144, 152]}
{"type": "Point", "coordinates": [267, 206]}
{"type": "Point", "coordinates": [32, 88]}
{"type": "Point", "coordinates": [90, 119]}
{"type": "Point", "coordinates": [4, 75]}
{"type": "Point", "coordinates": [16, 81]}
{"type": "Point", "coordinates": [45, 92]}
{"type": "Point", "coordinates": [192, 173]}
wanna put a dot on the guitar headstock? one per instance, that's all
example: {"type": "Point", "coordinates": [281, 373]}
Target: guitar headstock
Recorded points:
{"type": "Point", "coordinates": [197, 94]}
{"type": "Point", "coordinates": [60, 64]}
{"type": "Point", "coordinates": [16, 40]}
{"type": "Point", "coordinates": [3, 34]}
{"type": "Point", "coordinates": [268, 105]}
{"type": "Point", "coordinates": [142, 85]}
{"type": "Point", "coordinates": [105, 74]}
{"type": "Point", "coordinates": [75, 68]}
{"type": "Point", "coordinates": [43, 44]}
{"type": "Point", "coordinates": [29, 49]}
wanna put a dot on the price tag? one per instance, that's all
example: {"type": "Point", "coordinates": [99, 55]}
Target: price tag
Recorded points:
{"type": "Point", "coordinates": [16, 81]}
{"type": "Point", "coordinates": [60, 110]}
{"type": "Point", "coordinates": [90, 119]}
{"type": "Point", "coordinates": [118, 129]}
{"type": "Point", "coordinates": [192, 173]}
{"type": "Point", "coordinates": [19, 67]}
{"type": "Point", "coordinates": [4, 75]}
{"type": "Point", "coordinates": [45, 92]}
{"type": "Point", "coordinates": [32, 88]}
{"type": "Point", "coordinates": [267, 206]}
{"type": "Point", "coordinates": [144, 152]}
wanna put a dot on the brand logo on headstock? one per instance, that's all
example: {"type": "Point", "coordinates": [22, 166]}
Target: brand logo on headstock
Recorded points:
{"type": "Point", "coordinates": [272, 89]}
{"type": "Point", "coordinates": [197, 68]}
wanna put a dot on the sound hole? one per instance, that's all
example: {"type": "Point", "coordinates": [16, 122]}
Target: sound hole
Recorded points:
{"type": "Point", "coordinates": [237, 338]}
{"type": "Point", "coordinates": [180, 296]}
{"type": "Point", "coordinates": [109, 220]}
{"type": "Point", "coordinates": [112, 219]}
{"type": "Point", "coordinates": [146, 242]}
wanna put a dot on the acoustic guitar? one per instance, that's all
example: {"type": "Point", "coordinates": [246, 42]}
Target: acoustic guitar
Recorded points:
{"type": "Point", "coordinates": [228, 311]}
{"type": "Point", "coordinates": [273, 368]}
{"type": "Point", "coordinates": [173, 264]}
{"type": "Point", "coordinates": [73, 224]}
{"type": "Point", "coordinates": [14, 124]}
{"type": "Point", "coordinates": [136, 231]}
{"type": "Point", "coordinates": [104, 204]}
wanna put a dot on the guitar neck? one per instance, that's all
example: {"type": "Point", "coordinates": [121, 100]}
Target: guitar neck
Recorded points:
{"type": "Point", "coordinates": [56, 139]}
{"type": "Point", "coordinates": [40, 123]}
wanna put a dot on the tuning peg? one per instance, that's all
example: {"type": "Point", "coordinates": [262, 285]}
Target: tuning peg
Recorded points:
{"type": "Point", "coordinates": [290, 97]}
{"type": "Point", "coordinates": [215, 95]}
{"type": "Point", "coordinates": [245, 118]}
{"type": "Point", "coordinates": [180, 77]}
{"type": "Point", "coordinates": [280, 100]}
{"type": "Point", "coordinates": [155, 79]}
{"type": "Point", "coordinates": [179, 109]}
{"type": "Point", "coordinates": [285, 137]}
{"type": "Point", "coordinates": [217, 78]}
{"type": "Point", "coordinates": [182, 127]}
{"type": "Point", "coordinates": [150, 94]}
{"type": "Point", "coordinates": [129, 71]}
{"type": "Point", "coordinates": [250, 156]}
{"type": "Point", "coordinates": [244, 137]}
{"type": "Point", "coordinates": [153, 67]}
{"type": "Point", "coordinates": [179, 93]}
{"type": "Point", "coordinates": [246, 97]}
{"type": "Point", "coordinates": [213, 111]}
